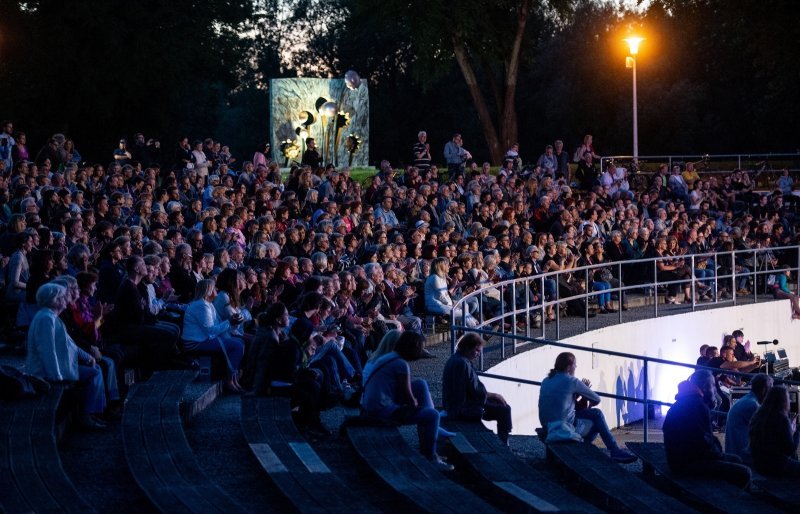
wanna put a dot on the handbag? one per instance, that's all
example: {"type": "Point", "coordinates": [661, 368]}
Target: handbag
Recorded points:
{"type": "Point", "coordinates": [563, 431]}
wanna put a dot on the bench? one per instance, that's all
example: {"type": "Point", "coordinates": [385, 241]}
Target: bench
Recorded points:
{"type": "Point", "coordinates": [31, 476]}
{"type": "Point", "coordinates": [782, 492]}
{"type": "Point", "coordinates": [610, 481]}
{"type": "Point", "coordinates": [504, 475]}
{"type": "Point", "coordinates": [409, 473]}
{"type": "Point", "coordinates": [291, 462]}
{"type": "Point", "coordinates": [709, 494]}
{"type": "Point", "coordinates": [158, 454]}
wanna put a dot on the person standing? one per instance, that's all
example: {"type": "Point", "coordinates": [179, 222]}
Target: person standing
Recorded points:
{"type": "Point", "coordinates": [455, 155]}
{"type": "Point", "coordinates": [311, 155]}
{"type": "Point", "coordinates": [560, 396]}
{"type": "Point", "coordinates": [463, 394]}
{"type": "Point", "coordinates": [7, 144]}
{"type": "Point", "coordinates": [422, 153]}
{"type": "Point", "coordinates": [562, 160]}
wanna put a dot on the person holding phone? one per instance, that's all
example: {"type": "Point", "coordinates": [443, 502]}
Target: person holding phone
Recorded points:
{"type": "Point", "coordinates": [203, 330]}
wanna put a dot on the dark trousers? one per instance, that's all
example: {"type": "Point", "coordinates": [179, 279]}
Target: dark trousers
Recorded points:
{"type": "Point", "coordinates": [496, 411]}
{"type": "Point", "coordinates": [455, 170]}
{"type": "Point", "coordinates": [729, 468]}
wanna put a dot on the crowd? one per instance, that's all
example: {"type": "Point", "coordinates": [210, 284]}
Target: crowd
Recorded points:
{"type": "Point", "coordinates": [294, 281]}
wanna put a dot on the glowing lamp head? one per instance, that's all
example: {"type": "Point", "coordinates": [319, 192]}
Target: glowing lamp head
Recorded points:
{"type": "Point", "coordinates": [329, 109]}
{"type": "Point", "coordinates": [633, 44]}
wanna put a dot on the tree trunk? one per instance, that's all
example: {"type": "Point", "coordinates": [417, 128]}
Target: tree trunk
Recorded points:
{"type": "Point", "coordinates": [489, 131]}
{"type": "Point", "coordinates": [508, 120]}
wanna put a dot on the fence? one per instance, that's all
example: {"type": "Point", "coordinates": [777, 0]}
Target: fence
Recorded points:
{"type": "Point", "coordinates": [712, 163]}
{"type": "Point", "coordinates": [523, 297]}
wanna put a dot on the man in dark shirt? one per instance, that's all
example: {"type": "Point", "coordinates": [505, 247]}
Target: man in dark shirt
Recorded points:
{"type": "Point", "coordinates": [135, 325]}
{"type": "Point", "coordinates": [691, 447]}
{"type": "Point", "coordinates": [741, 350]}
{"type": "Point", "coordinates": [311, 155]}
{"type": "Point", "coordinates": [463, 394]}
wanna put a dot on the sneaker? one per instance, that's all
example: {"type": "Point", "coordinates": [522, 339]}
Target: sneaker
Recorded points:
{"type": "Point", "coordinates": [441, 465]}
{"type": "Point", "coordinates": [623, 456]}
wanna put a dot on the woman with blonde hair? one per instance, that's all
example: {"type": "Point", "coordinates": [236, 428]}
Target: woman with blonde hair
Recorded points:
{"type": "Point", "coordinates": [437, 295]}
{"type": "Point", "coordinates": [203, 330]}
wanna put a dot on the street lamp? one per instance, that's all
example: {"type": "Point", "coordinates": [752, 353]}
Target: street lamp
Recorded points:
{"type": "Point", "coordinates": [630, 62]}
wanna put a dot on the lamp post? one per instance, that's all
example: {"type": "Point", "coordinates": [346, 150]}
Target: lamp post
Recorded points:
{"type": "Point", "coordinates": [630, 62]}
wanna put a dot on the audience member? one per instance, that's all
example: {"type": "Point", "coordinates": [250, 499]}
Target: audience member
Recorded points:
{"type": "Point", "coordinates": [463, 394]}
{"type": "Point", "coordinates": [737, 438]}
{"type": "Point", "coordinates": [565, 402]}
{"type": "Point", "coordinates": [692, 448]}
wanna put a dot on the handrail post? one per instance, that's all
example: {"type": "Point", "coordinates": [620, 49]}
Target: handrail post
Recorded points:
{"type": "Point", "coordinates": [452, 331]}
{"type": "Point", "coordinates": [755, 276]}
{"type": "Point", "coordinates": [655, 288]}
{"type": "Point", "coordinates": [716, 280]}
{"type": "Point", "coordinates": [646, 399]}
{"type": "Point", "coordinates": [502, 318]}
{"type": "Point", "coordinates": [586, 298]}
{"type": "Point", "coordinates": [527, 311]}
{"type": "Point", "coordinates": [734, 290]}
{"type": "Point", "coordinates": [692, 284]}
{"type": "Point", "coordinates": [557, 308]}
{"type": "Point", "coordinates": [620, 285]}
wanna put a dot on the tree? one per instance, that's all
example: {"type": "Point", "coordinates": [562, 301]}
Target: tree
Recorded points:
{"type": "Point", "coordinates": [488, 41]}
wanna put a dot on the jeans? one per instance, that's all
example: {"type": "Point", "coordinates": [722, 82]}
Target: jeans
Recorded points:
{"type": "Point", "coordinates": [602, 298]}
{"type": "Point", "coordinates": [425, 416]}
{"type": "Point", "coordinates": [706, 276]}
{"type": "Point", "coordinates": [599, 427]}
{"type": "Point", "coordinates": [110, 378]}
{"type": "Point", "coordinates": [93, 393]}
{"type": "Point", "coordinates": [231, 347]}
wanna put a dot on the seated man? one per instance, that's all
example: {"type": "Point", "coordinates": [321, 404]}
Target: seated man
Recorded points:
{"type": "Point", "coordinates": [737, 440]}
{"type": "Point", "coordinates": [703, 359]}
{"type": "Point", "coordinates": [558, 396]}
{"type": "Point", "coordinates": [690, 444]}
{"type": "Point", "coordinates": [463, 394]}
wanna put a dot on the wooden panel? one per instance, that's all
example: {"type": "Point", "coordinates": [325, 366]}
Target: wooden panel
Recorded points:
{"type": "Point", "coordinates": [531, 499]}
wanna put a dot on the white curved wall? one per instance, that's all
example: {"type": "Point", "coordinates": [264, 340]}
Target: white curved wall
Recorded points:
{"type": "Point", "coordinates": [676, 338]}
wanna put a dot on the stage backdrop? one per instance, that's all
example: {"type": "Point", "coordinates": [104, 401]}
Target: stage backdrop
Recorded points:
{"type": "Point", "coordinates": [328, 111]}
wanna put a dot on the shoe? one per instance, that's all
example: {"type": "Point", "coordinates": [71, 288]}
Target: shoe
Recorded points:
{"type": "Point", "coordinates": [743, 292]}
{"type": "Point", "coordinates": [426, 354]}
{"type": "Point", "coordinates": [624, 308]}
{"type": "Point", "coordinates": [623, 456]}
{"type": "Point", "coordinates": [671, 300]}
{"type": "Point", "coordinates": [611, 311]}
{"type": "Point", "coordinates": [317, 429]}
{"type": "Point", "coordinates": [91, 423]}
{"type": "Point", "coordinates": [441, 465]}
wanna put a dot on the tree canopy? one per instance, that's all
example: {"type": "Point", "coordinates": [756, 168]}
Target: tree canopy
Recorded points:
{"type": "Point", "coordinates": [712, 78]}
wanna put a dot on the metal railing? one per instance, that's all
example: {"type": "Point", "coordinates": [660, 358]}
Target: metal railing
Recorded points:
{"type": "Point", "coordinates": [646, 361]}
{"type": "Point", "coordinates": [762, 261]}
{"type": "Point", "coordinates": [714, 163]}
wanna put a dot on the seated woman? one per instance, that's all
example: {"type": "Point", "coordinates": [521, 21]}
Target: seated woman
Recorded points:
{"type": "Point", "coordinates": [228, 303]}
{"type": "Point", "coordinates": [323, 350]}
{"type": "Point", "coordinates": [392, 396]}
{"type": "Point", "coordinates": [560, 397]}
{"type": "Point", "coordinates": [588, 251]}
{"type": "Point", "coordinates": [774, 436]}
{"type": "Point", "coordinates": [437, 296]}
{"type": "Point", "coordinates": [54, 356]}
{"type": "Point", "coordinates": [86, 317]}
{"type": "Point", "coordinates": [780, 289]}
{"type": "Point", "coordinates": [204, 331]}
